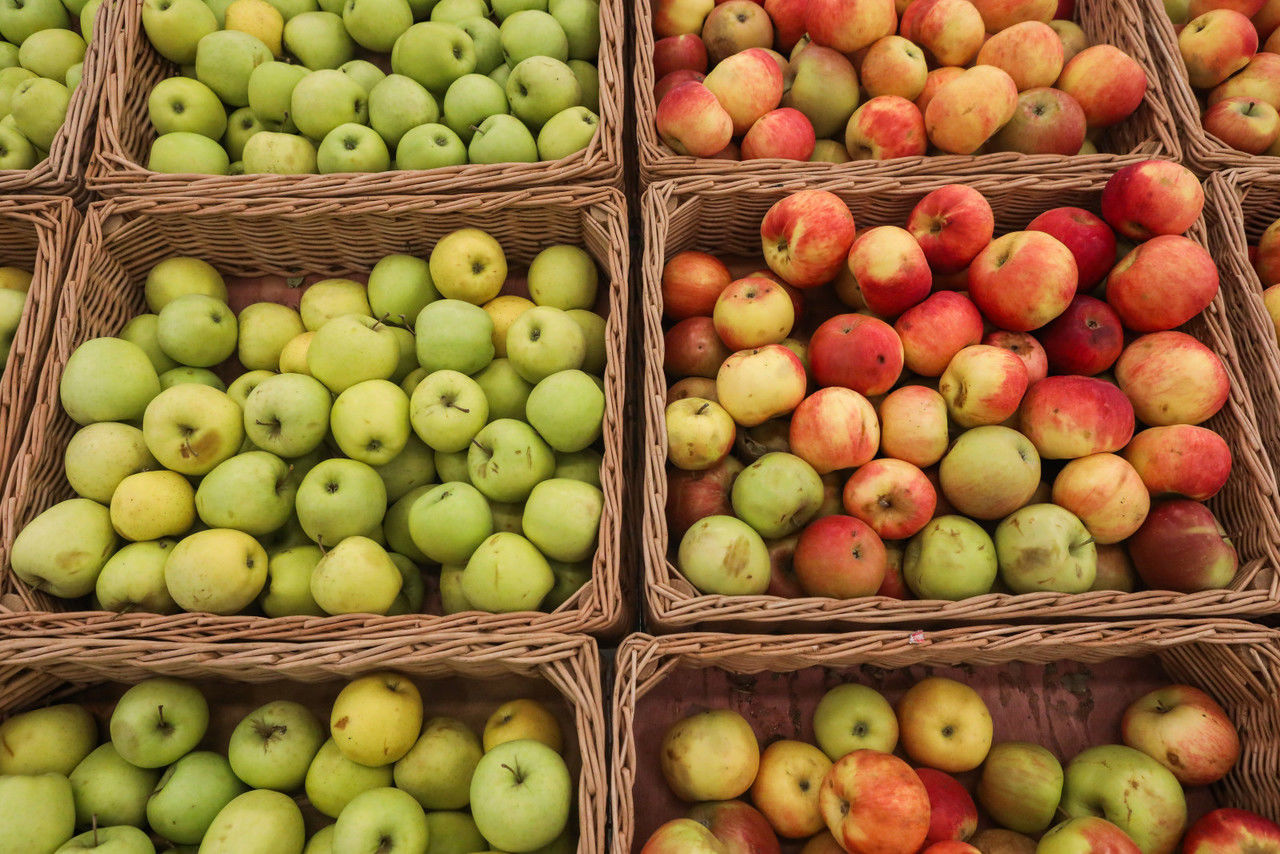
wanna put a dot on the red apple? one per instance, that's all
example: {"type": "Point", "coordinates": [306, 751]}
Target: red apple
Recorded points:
{"type": "Point", "coordinates": [734, 26]}
{"type": "Point", "coordinates": [1227, 831]}
{"type": "Point", "coordinates": [670, 81]}
{"type": "Point", "coordinates": [739, 826]}
{"type": "Point", "coordinates": [806, 237]}
{"type": "Point", "coordinates": [1071, 417]}
{"type": "Point", "coordinates": [1171, 378]}
{"type": "Point", "coordinates": [936, 329]}
{"type": "Point", "coordinates": [873, 801]}
{"type": "Point", "coordinates": [893, 497]}
{"type": "Point", "coordinates": [952, 812]}
{"type": "Point", "coordinates": [1151, 198]}
{"type": "Point", "coordinates": [894, 586]}
{"type": "Point", "coordinates": [950, 30]}
{"type": "Point", "coordinates": [1115, 569]}
{"type": "Point", "coordinates": [1023, 280]}
{"type": "Point", "coordinates": [1106, 82]}
{"type": "Point", "coordinates": [788, 21]}
{"type": "Point", "coordinates": [823, 843]}
{"type": "Point", "coordinates": [848, 25]}
{"type": "Point", "coordinates": [1162, 284]}
{"type": "Point", "coordinates": [857, 352]}
{"type": "Point", "coordinates": [683, 836]}
{"type": "Point", "coordinates": [1182, 547]}
{"type": "Point", "coordinates": [952, 224]}
{"type": "Point", "coordinates": [1085, 339]}
{"type": "Point", "coordinates": [983, 385]}
{"type": "Point", "coordinates": [693, 349]}
{"type": "Point", "coordinates": [784, 133]}
{"type": "Point", "coordinates": [1186, 731]}
{"type": "Point", "coordinates": [782, 574]}
{"type": "Point", "coordinates": [1030, 52]}
{"type": "Point", "coordinates": [691, 121]}
{"type": "Point", "coordinates": [913, 425]}
{"type": "Point", "coordinates": [1090, 239]}
{"type": "Point", "coordinates": [840, 557]}
{"type": "Point", "coordinates": [1246, 124]}
{"type": "Point", "coordinates": [694, 495]}
{"type": "Point", "coordinates": [1046, 121]}
{"type": "Point", "coordinates": [747, 85]}
{"type": "Point", "coordinates": [951, 846]}
{"type": "Point", "coordinates": [834, 428]}
{"type": "Point", "coordinates": [1002, 14]}
{"type": "Point", "coordinates": [756, 385]}
{"type": "Point", "coordinates": [1025, 347]}
{"type": "Point", "coordinates": [752, 313]}
{"type": "Point", "coordinates": [691, 282]}
{"type": "Point", "coordinates": [1259, 79]}
{"type": "Point", "coordinates": [684, 52]}
{"type": "Point", "coordinates": [1181, 460]}
{"type": "Point", "coordinates": [890, 270]}
{"type": "Point", "coordinates": [1216, 45]}
{"type": "Point", "coordinates": [884, 128]}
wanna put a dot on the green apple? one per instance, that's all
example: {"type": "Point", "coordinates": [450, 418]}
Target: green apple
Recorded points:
{"type": "Point", "coordinates": [507, 459]}
{"type": "Point", "coordinates": [12, 302]}
{"type": "Point", "coordinates": [87, 16]}
{"type": "Point", "coordinates": [175, 27]}
{"type": "Point", "coordinates": [62, 550]}
{"type": "Point", "coordinates": [258, 822]}
{"type": "Point", "coordinates": [1021, 786]}
{"type": "Point", "coordinates": [589, 80]}
{"type": "Point", "coordinates": [1129, 789]}
{"type": "Point", "coordinates": [413, 467]}
{"type": "Point", "coordinates": [454, 335]}
{"type": "Point", "coordinates": [319, 40]}
{"type": "Point", "coordinates": [191, 428]}
{"type": "Point", "coordinates": [271, 89]}
{"type": "Point", "coordinates": [505, 574]}
{"type": "Point", "coordinates": [290, 9]}
{"type": "Point", "coordinates": [279, 154]}
{"type": "Point", "coordinates": [142, 330]}
{"type": "Point", "coordinates": [118, 839]}
{"type": "Point", "coordinates": [400, 286]}
{"type": "Point", "coordinates": [395, 526]}
{"type": "Point", "coordinates": [562, 518]}
{"type": "Point", "coordinates": [356, 576]}
{"type": "Point", "coordinates": [570, 578]}
{"type": "Point", "coordinates": [951, 558]}
{"type": "Point", "coordinates": [544, 341]}
{"type": "Point", "coordinates": [202, 376]}
{"type": "Point", "coordinates": [370, 421]}
{"type": "Point", "coordinates": [251, 492]}
{"type": "Point", "coordinates": [242, 386]}
{"type": "Point", "coordinates": [376, 24]}
{"type": "Point", "coordinates": [563, 277]}
{"type": "Point", "coordinates": [352, 148]}
{"type": "Point", "coordinates": [111, 790]}
{"type": "Point", "coordinates": [376, 719]}
{"type": "Point", "coordinates": [448, 409]}
{"type": "Point", "coordinates": [486, 37]}
{"type": "Point", "coordinates": [449, 522]}
{"type": "Point", "coordinates": [777, 494]}
{"type": "Point", "coordinates": [580, 21]}
{"type": "Point", "coordinates": [51, 53]}
{"type": "Point", "coordinates": [326, 99]}
{"type": "Point", "coordinates": [502, 139]}
{"type": "Point", "coordinates": [196, 330]}
{"type": "Point", "coordinates": [507, 516]}
{"type": "Point", "coordinates": [242, 125]}
{"type": "Point", "coordinates": [16, 152]}
{"type": "Point", "coordinates": [51, 740]}
{"type": "Point", "coordinates": [321, 842]}
{"type": "Point", "coordinates": [133, 579]}
{"type": "Point", "coordinates": [287, 414]}
{"type": "Point", "coordinates": [333, 780]}
{"type": "Point", "coordinates": [153, 504]}
{"type": "Point", "coordinates": [715, 543]}
{"type": "Point", "coordinates": [413, 590]}
{"type": "Point", "coordinates": [263, 330]}
{"type": "Point", "coordinates": [224, 61]}
{"type": "Point", "coordinates": [593, 329]}
{"type": "Point", "coordinates": [434, 54]}
{"type": "Point", "coordinates": [452, 599]}
{"type": "Point", "coordinates": [452, 468]}
{"type": "Point", "coordinates": [217, 571]}
{"type": "Point", "coordinates": [73, 76]}
{"type": "Point", "coordinates": [521, 794]}
{"type": "Point", "coordinates": [184, 153]}
{"type": "Point", "coordinates": [330, 298]}
{"type": "Point", "coordinates": [351, 349]}
{"type": "Point", "coordinates": [272, 747]}
{"type": "Point", "coordinates": [468, 265]}
{"type": "Point", "coordinates": [290, 536]}
{"type": "Point", "coordinates": [385, 819]}
{"type": "Point", "coordinates": [288, 588]}
{"type": "Point", "coordinates": [567, 410]}
{"type": "Point", "coordinates": [500, 74]}
{"type": "Point", "coordinates": [430, 146]}
{"type": "Point", "coordinates": [37, 811]}
{"type": "Point", "coordinates": [1045, 548]}
{"type": "Point", "coordinates": [567, 132]}
{"type": "Point", "coordinates": [453, 833]}
{"type": "Point", "coordinates": [453, 11]}
{"type": "Point", "coordinates": [540, 87]}
{"type": "Point", "coordinates": [581, 465]}
{"type": "Point", "coordinates": [532, 32]}
{"type": "Point", "coordinates": [39, 107]}
{"type": "Point", "coordinates": [505, 390]}
{"type": "Point", "coordinates": [178, 276]}
{"type": "Point", "coordinates": [9, 80]}
{"type": "Point", "coordinates": [437, 769]}
{"type": "Point", "coordinates": [158, 721]}
{"type": "Point", "coordinates": [338, 499]}
{"type": "Point", "coordinates": [397, 104]}
{"type": "Point", "coordinates": [191, 793]}
{"type": "Point", "coordinates": [504, 9]}
{"type": "Point", "coordinates": [471, 99]}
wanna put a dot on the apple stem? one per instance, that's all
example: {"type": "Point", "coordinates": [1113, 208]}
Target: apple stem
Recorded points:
{"type": "Point", "coordinates": [160, 714]}
{"type": "Point", "coordinates": [703, 408]}
{"type": "Point", "coordinates": [95, 830]}
{"type": "Point", "coordinates": [515, 772]}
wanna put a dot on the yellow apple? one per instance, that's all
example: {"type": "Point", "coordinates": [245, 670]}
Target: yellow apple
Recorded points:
{"type": "Point", "coordinates": [504, 310]}
{"type": "Point", "coordinates": [945, 725]}
{"type": "Point", "coordinates": [786, 788]}
{"type": "Point", "coordinates": [376, 719]}
{"type": "Point", "coordinates": [710, 756]}
{"type": "Point", "coordinates": [521, 719]}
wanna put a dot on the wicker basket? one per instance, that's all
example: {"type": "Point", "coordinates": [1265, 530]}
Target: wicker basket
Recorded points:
{"type": "Point", "coordinates": [1148, 133]}
{"type": "Point", "coordinates": [459, 674]}
{"type": "Point", "coordinates": [1064, 687]}
{"type": "Point", "coordinates": [122, 239]}
{"type": "Point", "coordinates": [125, 134]}
{"type": "Point", "coordinates": [36, 234]}
{"type": "Point", "coordinates": [724, 217]}
{"type": "Point", "coordinates": [63, 171]}
{"type": "Point", "coordinates": [1201, 150]}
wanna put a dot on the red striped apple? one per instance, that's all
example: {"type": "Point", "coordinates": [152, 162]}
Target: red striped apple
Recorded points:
{"type": "Point", "coordinates": [1216, 45]}
{"type": "Point", "coordinates": [849, 25]}
{"type": "Point", "coordinates": [893, 497]}
{"type": "Point", "coordinates": [1230, 830]}
{"type": "Point", "coordinates": [1020, 786]}
{"type": "Point", "coordinates": [756, 385]}
{"type": "Point", "coordinates": [951, 31]}
{"type": "Point", "coordinates": [694, 495]}
{"type": "Point", "coordinates": [1152, 198]}
{"type": "Point", "coordinates": [752, 313]}
{"type": "Point", "coordinates": [1087, 835]}
{"type": "Point", "coordinates": [784, 133]}
{"type": "Point", "coordinates": [1180, 460]}
{"type": "Point", "coordinates": [1171, 378]}
{"type": "Point", "coordinates": [937, 78]}
{"type": "Point", "coordinates": [788, 21]}
{"type": "Point", "coordinates": [834, 428]}
{"type": "Point", "coordinates": [945, 725]}
{"type": "Point", "coordinates": [1030, 52]}
{"type": "Point", "coordinates": [857, 352]}
{"type": "Point", "coordinates": [840, 557]}
{"type": "Point", "coordinates": [913, 425]}
{"type": "Point", "coordinates": [806, 237]}
{"type": "Point", "coordinates": [1023, 280]}
{"type": "Point", "coordinates": [1186, 731]}
{"type": "Point", "coordinates": [1106, 82]}
{"type": "Point", "coordinates": [894, 66]}
{"type": "Point", "coordinates": [1046, 121]}
{"type": "Point", "coordinates": [890, 270]}
{"type": "Point", "coordinates": [786, 788]}
{"type": "Point", "coordinates": [1106, 493]}
{"type": "Point", "coordinates": [691, 283]}
{"type": "Point", "coordinates": [952, 224]}
{"type": "Point", "coordinates": [873, 801]}
{"type": "Point", "coordinates": [676, 78]}
{"type": "Point", "coordinates": [936, 329]}
{"type": "Point", "coordinates": [983, 385]}
{"type": "Point", "coordinates": [1090, 239]}
{"type": "Point", "coordinates": [1002, 14]}
{"type": "Point", "coordinates": [1245, 123]}
{"type": "Point", "coordinates": [886, 127]}
{"type": "Point", "coordinates": [1070, 417]}
{"type": "Point", "coordinates": [1025, 347]}
{"type": "Point", "coordinates": [741, 827]}
{"type": "Point", "coordinates": [1259, 79]}
{"type": "Point", "coordinates": [683, 836]}
{"type": "Point", "coordinates": [967, 112]}
{"type": "Point", "coordinates": [1162, 284]}
{"type": "Point", "coordinates": [952, 813]}
{"type": "Point", "coordinates": [679, 53]}
{"type": "Point", "coordinates": [1183, 547]}
{"type": "Point", "coordinates": [1086, 339]}
{"type": "Point", "coordinates": [691, 121]}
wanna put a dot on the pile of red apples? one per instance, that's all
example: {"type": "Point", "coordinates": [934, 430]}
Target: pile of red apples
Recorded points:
{"type": "Point", "coordinates": [934, 412]}
{"type": "Point", "coordinates": [1239, 86]}
{"type": "Point", "coordinates": [852, 793]}
{"type": "Point", "coordinates": [841, 80]}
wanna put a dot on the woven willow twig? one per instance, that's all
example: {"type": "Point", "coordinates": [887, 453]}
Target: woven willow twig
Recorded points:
{"type": "Point", "coordinates": [124, 136]}
{"type": "Point", "coordinates": [122, 239]}
{"type": "Point", "coordinates": [1237, 663]}
{"type": "Point", "coordinates": [724, 217]}
{"type": "Point", "coordinates": [1149, 132]}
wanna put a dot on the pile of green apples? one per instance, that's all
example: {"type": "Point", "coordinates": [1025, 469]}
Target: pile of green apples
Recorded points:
{"type": "Point", "coordinates": [14, 285]}
{"type": "Point", "coordinates": [296, 87]}
{"type": "Point", "coordinates": [421, 421]}
{"type": "Point", "coordinates": [41, 59]}
{"type": "Point", "coordinates": [384, 779]}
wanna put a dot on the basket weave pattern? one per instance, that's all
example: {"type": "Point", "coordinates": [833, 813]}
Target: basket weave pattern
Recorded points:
{"type": "Point", "coordinates": [724, 217]}
{"type": "Point", "coordinates": [121, 241]}
{"type": "Point", "coordinates": [1149, 132]}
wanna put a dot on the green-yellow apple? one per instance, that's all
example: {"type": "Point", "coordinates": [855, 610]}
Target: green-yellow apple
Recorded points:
{"type": "Point", "coordinates": [279, 154]}
{"type": "Point", "coordinates": [437, 770]}
{"type": "Point", "coordinates": [397, 104]}
{"type": "Point", "coordinates": [447, 410]}
{"type": "Point", "coordinates": [562, 518]}
{"type": "Point", "coordinates": [385, 818]}
{"type": "Point", "coordinates": [321, 842]}
{"type": "Point", "coordinates": [54, 740]}
{"type": "Point", "coordinates": [118, 839]}
{"type": "Point", "coordinates": [153, 504]}
{"type": "Point", "coordinates": [989, 472]}
{"type": "Point", "coordinates": [251, 492]}
{"type": "Point", "coordinates": [593, 330]}
{"type": "Point", "coordinates": [16, 152]}
{"type": "Point", "coordinates": [589, 81]}
{"type": "Point", "coordinates": [541, 86]}
{"type": "Point", "coordinates": [506, 573]}
{"type": "Point", "coordinates": [567, 132]}
{"type": "Point", "coordinates": [258, 822]}
{"type": "Point", "coordinates": [567, 410]}
{"type": "Point", "coordinates": [395, 525]}
{"type": "Point", "coordinates": [37, 812]}
{"type": "Point", "coordinates": [944, 724]}
{"type": "Point", "coordinates": [503, 9]}
{"type": "Point", "coordinates": [507, 459]}
{"type": "Point", "coordinates": [1131, 790]}
{"type": "Point", "coordinates": [468, 265]}
{"type": "Point", "coordinates": [114, 791]}
{"type": "Point", "coordinates": [325, 99]}
{"type": "Point", "coordinates": [376, 24]}
{"type": "Point", "coordinates": [710, 756]}
{"type": "Point", "coordinates": [1021, 785]}
{"type": "Point", "coordinates": [272, 747]}
{"type": "Point", "coordinates": [264, 329]}
{"type": "Point", "coordinates": [452, 599]}
{"type": "Point", "coordinates": [503, 71]}
{"type": "Point", "coordinates": [271, 90]}
{"type": "Point", "coordinates": [319, 40]}
{"type": "Point", "coordinates": [570, 578]}
{"type": "Point", "coordinates": [133, 579]}
{"type": "Point", "coordinates": [454, 335]}
{"type": "Point", "coordinates": [413, 589]}
{"type": "Point", "coordinates": [158, 721]}
{"type": "Point", "coordinates": [363, 72]}
{"type": "Point", "coordinates": [242, 386]}
{"type": "Point", "coordinates": [777, 494]}
{"type": "Point", "coordinates": [143, 330]}
{"type": "Point", "coordinates": [51, 53]}
{"type": "Point", "coordinates": [408, 349]}
{"type": "Point", "coordinates": [853, 717]}
{"type": "Point", "coordinates": [177, 276]}
{"type": "Point", "coordinates": [532, 32]}
{"type": "Point", "coordinates": [288, 588]}
{"type": "Point", "coordinates": [581, 465]}
{"type": "Point", "coordinates": [453, 11]}
{"type": "Point", "coordinates": [9, 80]}
{"type": "Point", "coordinates": [183, 152]}
{"type": "Point", "coordinates": [288, 9]}
{"type": "Point", "coordinates": [1043, 547]}
{"type": "Point", "coordinates": [216, 571]}
{"type": "Point", "coordinates": [190, 428]}
{"type": "Point", "coordinates": [242, 126]}
{"type": "Point", "coordinates": [352, 147]}
{"type": "Point", "coordinates": [331, 298]}
{"type": "Point", "coordinates": [430, 146]}
{"type": "Point", "coordinates": [470, 100]}
{"type": "Point", "coordinates": [287, 414]}
{"type": "Point", "coordinates": [224, 61]}
{"type": "Point", "coordinates": [507, 516]}
{"type": "Point", "coordinates": [196, 330]}
{"type": "Point", "coordinates": [333, 779]}
{"type": "Point", "coordinates": [107, 379]}
{"type": "Point", "coordinates": [451, 468]}
{"type": "Point", "coordinates": [505, 390]}
{"type": "Point", "coordinates": [580, 21]}
{"type": "Point", "coordinates": [351, 349]}
{"type": "Point", "coordinates": [356, 576]}
{"type": "Point", "coordinates": [400, 287]}
{"type": "Point", "coordinates": [564, 277]}
{"type": "Point", "coordinates": [174, 27]}
{"type": "Point", "coordinates": [434, 54]}
{"type": "Point", "coordinates": [520, 795]}
{"type": "Point", "coordinates": [340, 498]}
{"type": "Point", "coordinates": [449, 522]}
{"type": "Point", "coordinates": [503, 139]}
{"type": "Point", "coordinates": [370, 421]}
{"type": "Point", "coordinates": [192, 791]}
{"type": "Point", "coordinates": [724, 555]}
{"type": "Point", "coordinates": [376, 719]}
{"type": "Point", "coordinates": [487, 40]}
{"type": "Point", "coordinates": [73, 76]}
{"type": "Point", "coordinates": [543, 341]}
{"type": "Point", "coordinates": [453, 833]}
{"type": "Point", "coordinates": [101, 455]}
{"type": "Point", "coordinates": [414, 466]}
{"type": "Point", "coordinates": [62, 550]}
